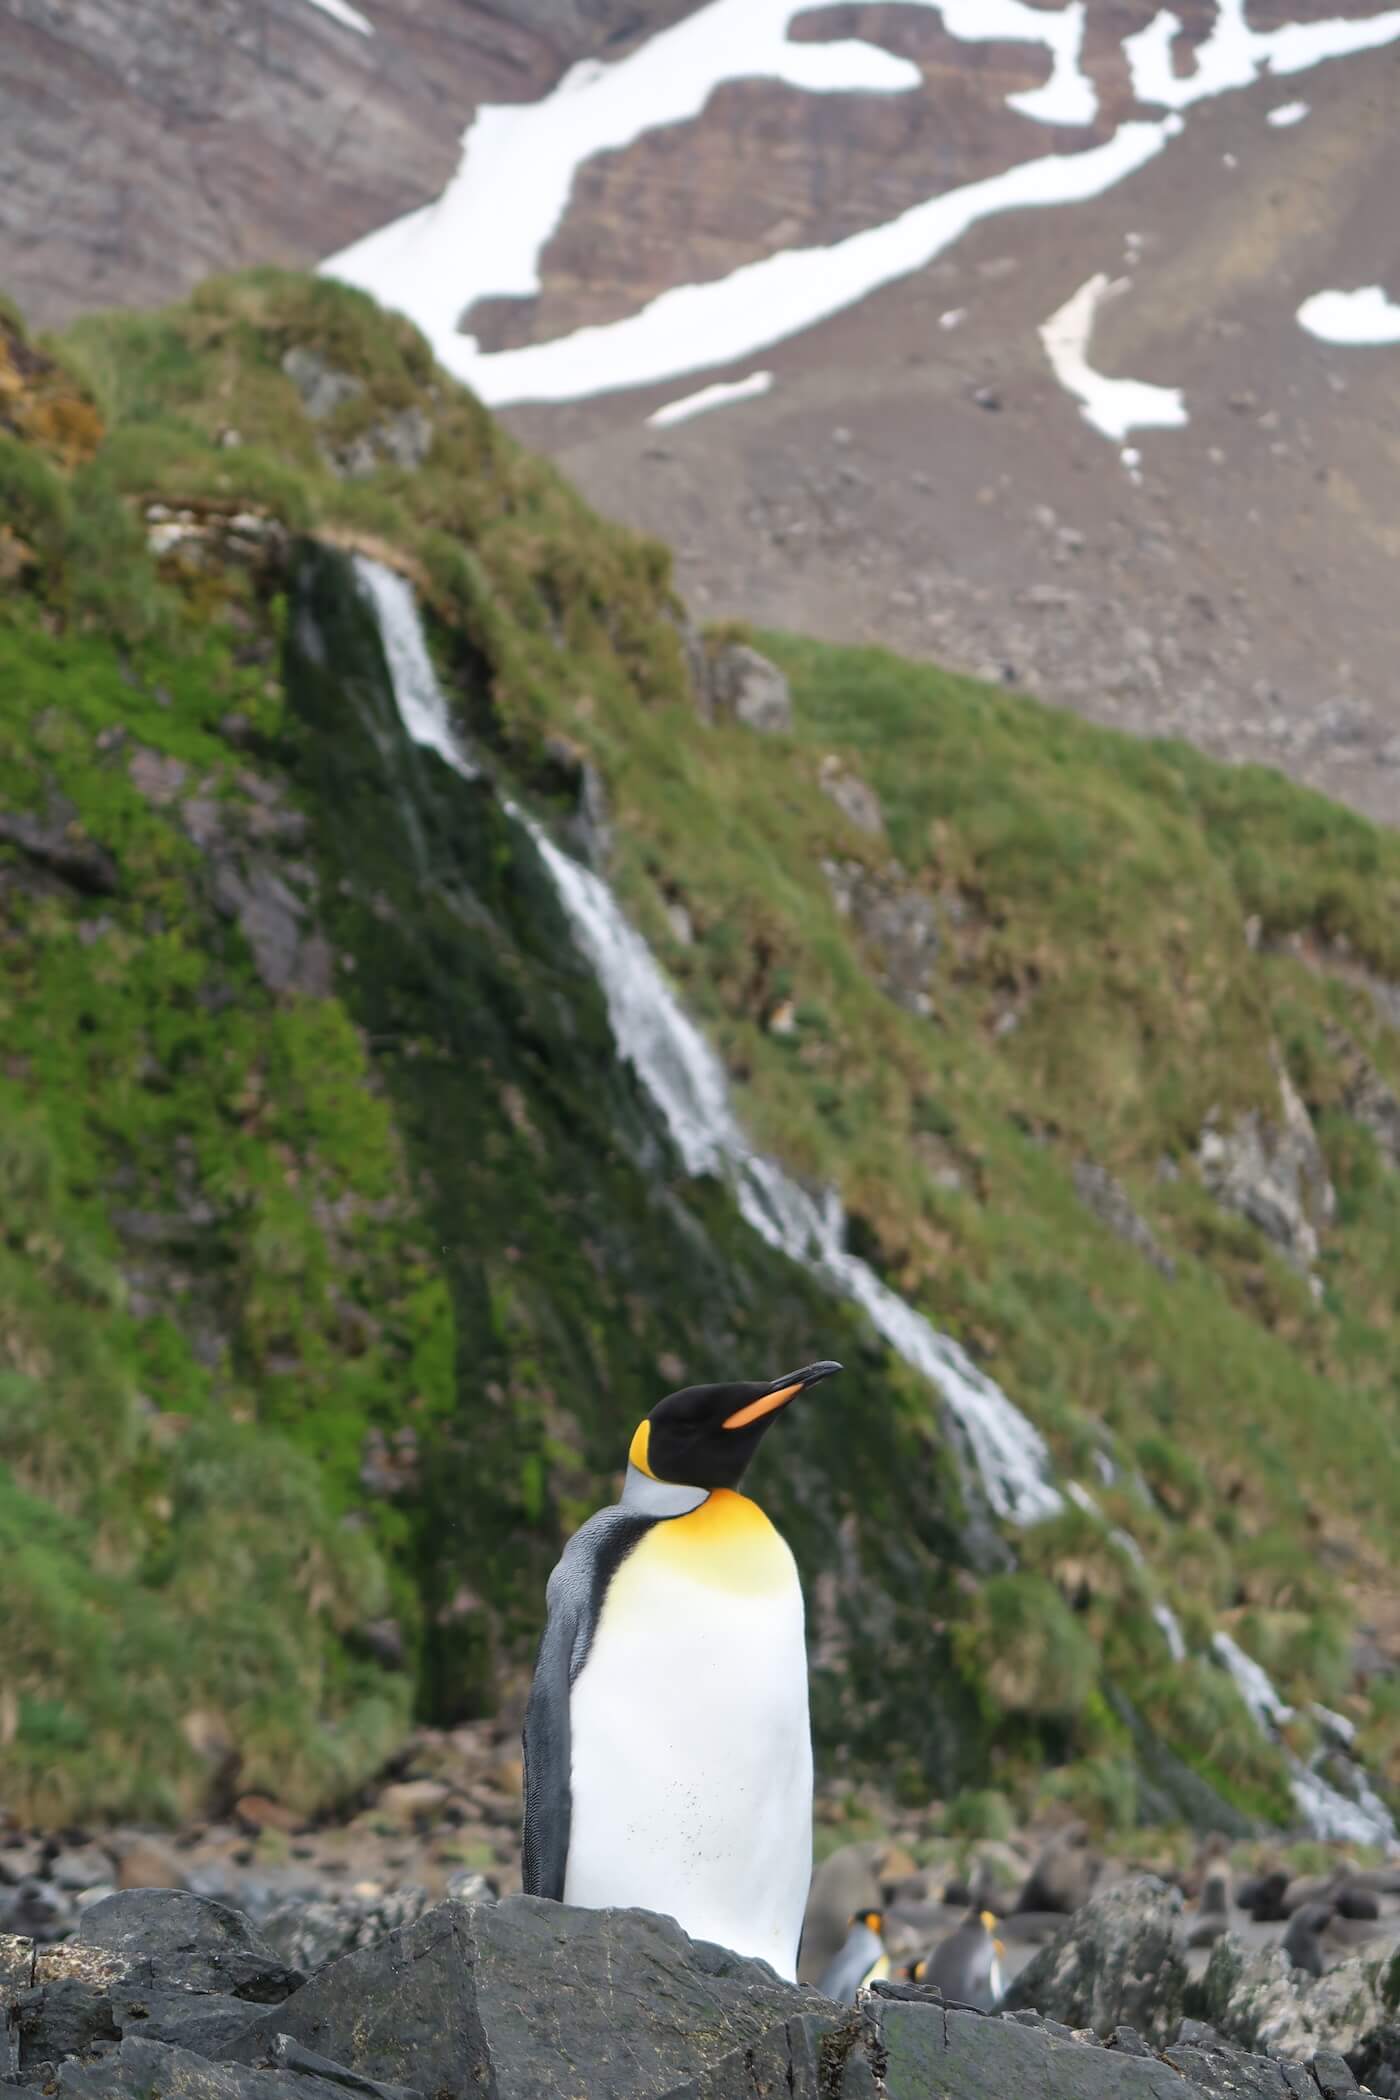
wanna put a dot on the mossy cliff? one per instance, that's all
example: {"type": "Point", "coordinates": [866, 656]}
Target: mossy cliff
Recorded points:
{"type": "Point", "coordinates": [340, 1253]}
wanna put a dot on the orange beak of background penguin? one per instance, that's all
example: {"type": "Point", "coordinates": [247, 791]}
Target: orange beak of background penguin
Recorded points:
{"type": "Point", "coordinates": [780, 1393]}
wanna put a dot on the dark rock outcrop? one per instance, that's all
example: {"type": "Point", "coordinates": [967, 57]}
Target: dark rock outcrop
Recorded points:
{"type": "Point", "coordinates": [1273, 1174]}
{"type": "Point", "coordinates": [1117, 1962]}
{"type": "Point", "coordinates": [1106, 1197]}
{"type": "Point", "coordinates": [158, 1964]}
{"type": "Point", "coordinates": [529, 2000]}
{"type": "Point", "coordinates": [1260, 2001]}
{"type": "Point", "coordinates": [730, 681]}
{"type": "Point", "coordinates": [530, 1997]}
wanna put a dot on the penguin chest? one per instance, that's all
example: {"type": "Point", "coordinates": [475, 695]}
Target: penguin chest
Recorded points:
{"type": "Point", "coordinates": [691, 1747]}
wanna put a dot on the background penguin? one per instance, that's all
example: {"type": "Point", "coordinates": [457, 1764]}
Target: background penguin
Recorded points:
{"type": "Point", "coordinates": [967, 1965]}
{"type": "Point", "coordinates": [1301, 1943]}
{"type": "Point", "coordinates": [861, 1960]}
{"type": "Point", "coordinates": [850, 1879]}
{"type": "Point", "coordinates": [668, 1750]}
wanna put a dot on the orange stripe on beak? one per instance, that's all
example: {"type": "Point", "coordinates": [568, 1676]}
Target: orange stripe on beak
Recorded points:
{"type": "Point", "coordinates": [764, 1405]}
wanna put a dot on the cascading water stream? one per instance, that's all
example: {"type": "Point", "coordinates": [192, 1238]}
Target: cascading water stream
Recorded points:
{"type": "Point", "coordinates": [1165, 1617]}
{"type": "Point", "coordinates": [686, 1082]}
{"type": "Point", "coordinates": [1359, 1817]}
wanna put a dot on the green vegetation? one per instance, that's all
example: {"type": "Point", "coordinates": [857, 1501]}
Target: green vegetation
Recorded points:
{"type": "Point", "coordinates": [340, 1256]}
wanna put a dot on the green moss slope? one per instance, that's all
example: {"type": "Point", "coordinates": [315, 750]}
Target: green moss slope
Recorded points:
{"type": "Point", "coordinates": [338, 1260]}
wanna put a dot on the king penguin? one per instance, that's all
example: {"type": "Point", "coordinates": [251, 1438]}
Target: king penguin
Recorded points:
{"type": "Point", "coordinates": [967, 1965]}
{"type": "Point", "coordinates": [862, 1959]}
{"type": "Point", "coordinates": [668, 1750]}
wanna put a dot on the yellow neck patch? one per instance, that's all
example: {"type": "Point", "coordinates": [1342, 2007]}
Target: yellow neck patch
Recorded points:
{"type": "Point", "coordinates": [640, 1449]}
{"type": "Point", "coordinates": [726, 1544]}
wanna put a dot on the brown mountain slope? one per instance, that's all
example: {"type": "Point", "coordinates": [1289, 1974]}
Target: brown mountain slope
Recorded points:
{"type": "Point", "coordinates": [142, 146]}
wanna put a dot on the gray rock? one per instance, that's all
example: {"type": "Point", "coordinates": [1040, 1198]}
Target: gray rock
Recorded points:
{"type": "Point", "coordinates": [321, 387]}
{"type": "Point", "coordinates": [144, 2070]}
{"type": "Point", "coordinates": [307, 1934]}
{"type": "Point", "coordinates": [37, 1911]}
{"type": "Point", "coordinates": [897, 924]}
{"type": "Point", "coordinates": [271, 917]}
{"type": "Point", "coordinates": [1273, 1174]}
{"type": "Point", "coordinates": [406, 439]}
{"type": "Point", "coordinates": [852, 796]}
{"type": "Point", "coordinates": [925, 2050]}
{"type": "Point", "coordinates": [1117, 1962]}
{"type": "Point", "coordinates": [403, 440]}
{"type": "Point", "coordinates": [630, 2005]}
{"type": "Point", "coordinates": [56, 843]}
{"type": "Point", "coordinates": [20, 1860]}
{"type": "Point", "coordinates": [157, 1962]}
{"type": "Point", "coordinates": [80, 1867]}
{"type": "Point", "coordinates": [169, 1938]}
{"type": "Point", "coordinates": [1369, 1099]}
{"type": "Point", "coordinates": [788, 2062]}
{"type": "Point", "coordinates": [750, 689]}
{"type": "Point", "coordinates": [1111, 1204]}
{"type": "Point", "coordinates": [1262, 2002]}
{"type": "Point", "coordinates": [529, 2000]}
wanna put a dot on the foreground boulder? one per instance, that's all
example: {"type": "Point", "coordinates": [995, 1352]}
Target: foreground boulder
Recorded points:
{"type": "Point", "coordinates": [157, 1963]}
{"type": "Point", "coordinates": [533, 1999]}
{"type": "Point", "coordinates": [1117, 1962]}
{"type": "Point", "coordinates": [528, 2000]}
{"type": "Point", "coordinates": [1353, 2011]}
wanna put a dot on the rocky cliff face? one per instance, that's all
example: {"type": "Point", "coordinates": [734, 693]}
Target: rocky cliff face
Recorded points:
{"type": "Point", "coordinates": [141, 152]}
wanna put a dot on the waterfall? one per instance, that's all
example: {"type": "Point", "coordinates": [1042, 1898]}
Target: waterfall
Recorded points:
{"type": "Point", "coordinates": [1359, 1817]}
{"type": "Point", "coordinates": [687, 1084]}
{"type": "Point", "coordinates": [417, 693]}
{"type": "Point", "coordinates": [1167, 1622]}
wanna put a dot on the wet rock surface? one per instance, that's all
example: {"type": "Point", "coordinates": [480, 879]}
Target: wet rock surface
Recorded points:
{"type": "Point", "coordinates": [531, 2000]}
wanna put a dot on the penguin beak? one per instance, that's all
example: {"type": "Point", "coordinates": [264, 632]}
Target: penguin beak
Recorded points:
{"type": "Point", "coordinates": [779, 1393]}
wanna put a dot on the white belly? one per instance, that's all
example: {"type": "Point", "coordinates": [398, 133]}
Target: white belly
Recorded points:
{"type": "Point", "coordinates": [692, 1756]}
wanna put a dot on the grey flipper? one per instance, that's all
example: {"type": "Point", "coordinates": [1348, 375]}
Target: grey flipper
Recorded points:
{"type": "Point", "coordinates": [573, 1603]}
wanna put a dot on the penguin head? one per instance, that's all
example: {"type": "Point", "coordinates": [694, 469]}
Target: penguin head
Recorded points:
{"type": "Point", "coordinates": [705, 1435]}
{"type": "Point", "coordinates": [872, 1920]}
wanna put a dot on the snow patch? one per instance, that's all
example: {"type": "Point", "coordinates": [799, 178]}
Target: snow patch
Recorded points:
{"type": "Point", "coordinates": [348, 17]}
{"type": "Point", "coordinates": [1287, 114]}
{"type": "Point", "coordinates": [1113, 406]}
{"type": "Point", "coordinates": [1234, 55]}
{"type": "Point", "coordinates": [764, 302]}
{"type": "Point", "coordinates": [717, 396]}
{"type": "Point", "coordinates": [1068, 96]}
{"type": "Point", "coordinates": [1367, 316]}
{"type": "Point", "coordinates": [437, 262]}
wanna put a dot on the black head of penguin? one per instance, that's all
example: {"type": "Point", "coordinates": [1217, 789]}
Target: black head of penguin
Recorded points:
{"type": "Point", "coordinates": [705, 1435]}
